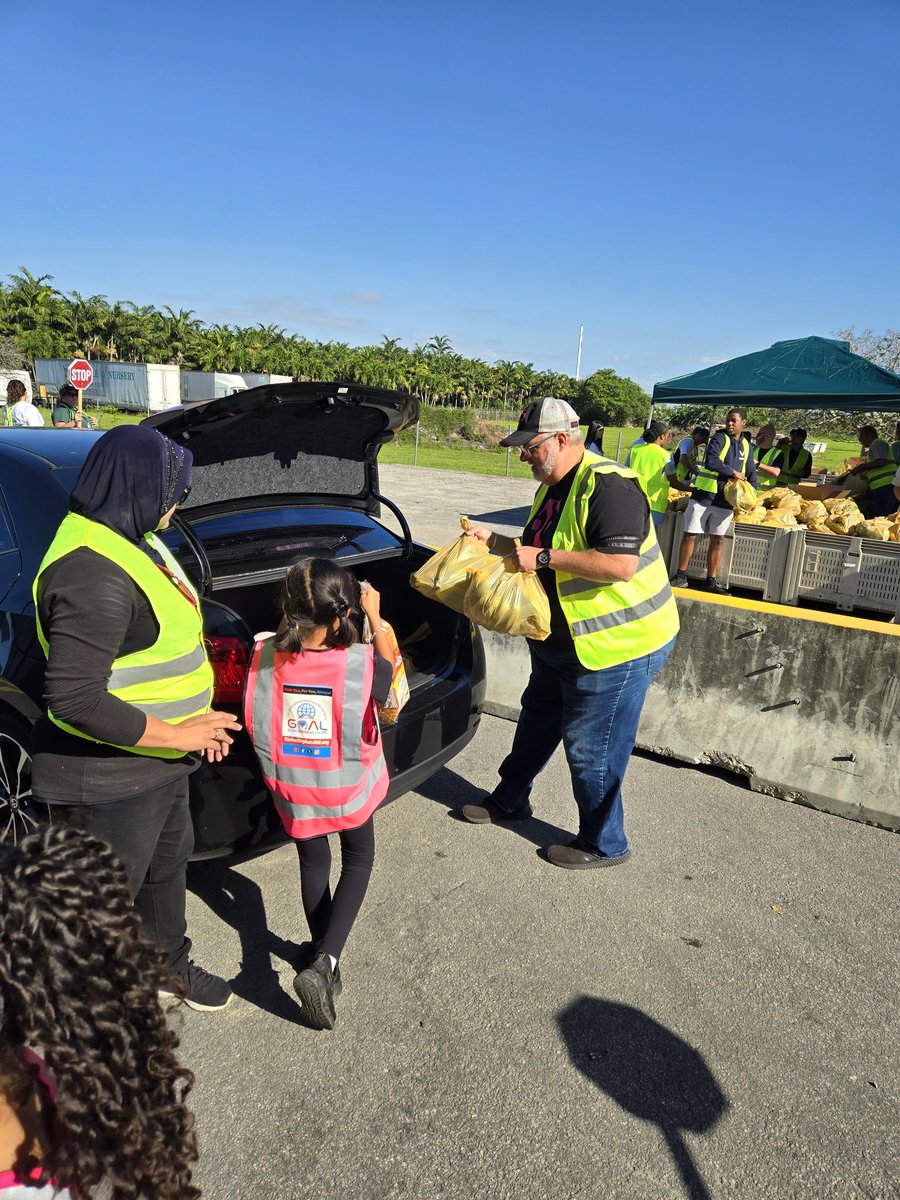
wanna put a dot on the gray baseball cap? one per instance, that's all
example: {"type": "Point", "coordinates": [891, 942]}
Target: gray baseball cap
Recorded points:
{"type": "Point", "coordinates": [549, 415]}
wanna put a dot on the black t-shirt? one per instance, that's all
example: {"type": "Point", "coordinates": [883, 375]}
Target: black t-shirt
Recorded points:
{"type": "Point", "coordinates": [618, 520]}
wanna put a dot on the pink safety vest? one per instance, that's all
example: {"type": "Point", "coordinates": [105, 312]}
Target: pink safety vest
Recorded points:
{"type": "Point", "coordinates": [314, 728]}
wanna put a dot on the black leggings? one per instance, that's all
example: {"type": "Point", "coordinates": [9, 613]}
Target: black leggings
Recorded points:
{"type": "Point", "coordinates": [330, 919]}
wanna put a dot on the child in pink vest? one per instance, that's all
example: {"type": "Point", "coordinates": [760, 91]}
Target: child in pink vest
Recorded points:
{"type": "Point", "coordinates": [310, 709]}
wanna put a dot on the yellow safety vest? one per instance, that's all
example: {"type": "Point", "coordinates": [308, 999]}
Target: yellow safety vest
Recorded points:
{"type": "Point", "coordinates": [610, 623]}
{"type": "Point", "coordinates": [708, 481]}
{"type": "Point", "coordinates": [648, 463]}
{"type": "Point", "coordinates": [763, 481]}
{"type": "Point", "coordinates": [883, 476]}
{"type": "Point", "coordinates": [171, 679]}
{"type": "Point", "coordinates": [792, 473]}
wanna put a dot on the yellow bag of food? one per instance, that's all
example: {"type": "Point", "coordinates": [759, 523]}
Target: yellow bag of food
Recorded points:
{"type": "Point", "coordinates": [895, 528]}
{"type": "Point", "coordinates": [844, 517]}
{"type": "Point", "coordinates": [445, 576]}
{"type": "Point", "coordinates": [740, 494]}
{"type": "Point", "coordinates": [755, 516]}
{"type": "Point", "coordinates": [678, 501]}
{"type": "Point", "coordinates": [507, 600]}
{"type": "Point", "coordinates": [812, 510]}
{"type": "Point", "coordinates": [782, 517]}
{"type": "Point", "coordinates": [792, 502]}
{"type": "Point", "coordinates": [818, 527]}
{"type": "Point", "coordinates": [389, 711]}
{"type": "Point", "coordinates": [774, 496]}
{"type": "Point", "coordinates": [878, 528]}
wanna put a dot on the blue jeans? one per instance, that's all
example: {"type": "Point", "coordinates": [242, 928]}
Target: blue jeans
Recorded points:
{"type": "Point", "coordinates": [595, 715]}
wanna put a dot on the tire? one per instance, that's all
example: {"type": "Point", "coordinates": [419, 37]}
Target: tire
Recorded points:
{"type": "Point", "coordinates": [18, 815]}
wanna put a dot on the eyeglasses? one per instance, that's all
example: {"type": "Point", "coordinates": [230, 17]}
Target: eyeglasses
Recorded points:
{"type": "Point", "coordinates": [530, 449]}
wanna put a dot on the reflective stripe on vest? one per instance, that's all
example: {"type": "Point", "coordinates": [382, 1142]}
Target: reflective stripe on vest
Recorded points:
{"type": "Point", "coordinates": [883, 477]}
{"type": "Point", "coordinates": [610, 623]}
{"type": "Point", "coordinates": [708, 481]}
{"type": "Point", "coordinates": [328, 778]}
{"type": "Point", "coordinates": [792, 473]}
{"type": "Point", "coordinates": [172, 679]}
{"type": "Point", "coordinates": [763, 481]}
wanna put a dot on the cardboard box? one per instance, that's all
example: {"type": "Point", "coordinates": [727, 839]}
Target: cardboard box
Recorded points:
{"type": "Point", "coordinates": [820, 491]}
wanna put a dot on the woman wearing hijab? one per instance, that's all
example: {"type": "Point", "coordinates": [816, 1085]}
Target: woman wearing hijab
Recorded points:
{"type": "Point", "coordinates": [128, 685]}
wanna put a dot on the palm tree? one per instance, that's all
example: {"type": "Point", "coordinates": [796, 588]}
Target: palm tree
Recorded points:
{"type": "Point", "coordinates": [439, 344]}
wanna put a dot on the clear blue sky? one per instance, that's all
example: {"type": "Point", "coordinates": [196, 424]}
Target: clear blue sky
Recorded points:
{"type": "Point", "coordinates": [690, 179]}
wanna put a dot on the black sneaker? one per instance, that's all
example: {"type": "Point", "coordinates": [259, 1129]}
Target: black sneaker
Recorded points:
{"type": "Point", "coordinates": [303, 957]}
{"type": "Point", "coordinates": [200, 990]}
{"type": "Point", "coordinates": [315, 990]}
{"type": "Point", "coordinates": [490, 813]}
{"type": "Point", "coordinates": [680, 580]}
{"type": "Point", "coordinates": [717, 589]}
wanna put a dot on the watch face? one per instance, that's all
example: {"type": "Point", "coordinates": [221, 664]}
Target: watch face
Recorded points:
{"type": "Point", "coordinates": [544, 558]}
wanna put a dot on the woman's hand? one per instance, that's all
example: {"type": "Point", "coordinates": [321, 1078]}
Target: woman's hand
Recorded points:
{"type": "Point", "coordinates": [207, 733]}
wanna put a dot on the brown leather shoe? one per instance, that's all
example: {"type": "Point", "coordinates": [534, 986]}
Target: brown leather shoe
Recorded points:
{"type": "Point", "coordinates": [490, 813]}
{"type": "Point", "coordinates": [574, 858]}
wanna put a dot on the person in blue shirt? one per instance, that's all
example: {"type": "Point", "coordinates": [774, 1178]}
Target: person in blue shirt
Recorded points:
{"type": "Point", "coordinates": [728, 456]}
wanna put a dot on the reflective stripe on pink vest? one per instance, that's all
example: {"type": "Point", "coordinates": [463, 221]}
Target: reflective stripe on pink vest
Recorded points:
{"type": "Point", "coordinates": [312, 721]}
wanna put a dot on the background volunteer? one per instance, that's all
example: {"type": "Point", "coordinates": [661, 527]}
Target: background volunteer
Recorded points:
{"type": "Point", "coordinates": [649, 462]}
{"type": "Point", "coordinates": [728, 456]}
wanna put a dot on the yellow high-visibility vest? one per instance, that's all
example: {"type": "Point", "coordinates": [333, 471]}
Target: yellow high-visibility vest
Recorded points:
{"type": "Point", "coordinates": [171, 679]}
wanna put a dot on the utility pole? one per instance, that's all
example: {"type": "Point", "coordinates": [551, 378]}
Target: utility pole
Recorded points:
{"type": "Point", "coordinates": [578, 359]}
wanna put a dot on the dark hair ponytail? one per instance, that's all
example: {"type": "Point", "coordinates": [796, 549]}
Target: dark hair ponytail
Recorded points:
{"type": "Point", "coordinates": [318, 592]}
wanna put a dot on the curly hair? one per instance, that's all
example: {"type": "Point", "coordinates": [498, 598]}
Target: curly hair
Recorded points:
{"type": "Point", "coordinates": [318, 592]}
{"type": "Point", "coordinates": [15, 391]}
{"type": "Point", "coordinates": [79, 984]}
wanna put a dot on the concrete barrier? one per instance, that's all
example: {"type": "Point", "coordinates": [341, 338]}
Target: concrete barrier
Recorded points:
{"type": "Point", "coordinates": [806, 705]}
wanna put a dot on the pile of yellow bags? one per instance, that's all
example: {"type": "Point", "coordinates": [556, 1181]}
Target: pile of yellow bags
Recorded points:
{"type": "Point", "coordinates": [488, 589]}
{"type": "Point", "coordinates": [843, 515]}
{"type": "Point", "coordinates": [678, 501]}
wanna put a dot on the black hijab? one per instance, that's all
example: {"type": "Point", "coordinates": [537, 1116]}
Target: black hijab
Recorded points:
{"type": "Point", "coordinates": [131, 476]}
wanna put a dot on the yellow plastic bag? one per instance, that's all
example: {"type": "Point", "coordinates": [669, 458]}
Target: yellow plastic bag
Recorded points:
{"type": "Point", "coordinates": [774, 496]}
{"type": "Point", "coordinates": [740, 494]}
{"type": "Point", "coordinates": [389, 711]}
{"type": "Point", "coordinates": [445, 576]}
{"type": "Point", "coordinates": [782, 517]}
{"type": "Point", "coordinates": [878, 528]}
{"type": "Point", "coordinates": [812, 511]}
{"type": "Point", "coordinates": [501, 598]}
{"type": "Point", "coordinates": [754, 516]}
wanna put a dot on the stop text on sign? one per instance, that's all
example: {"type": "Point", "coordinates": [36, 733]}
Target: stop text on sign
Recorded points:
{"type": "Point", "coordinates": [80, 374]}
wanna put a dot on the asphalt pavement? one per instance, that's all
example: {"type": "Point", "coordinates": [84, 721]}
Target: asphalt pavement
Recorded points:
{"type": "Point", "coordinates": [715, 1018]}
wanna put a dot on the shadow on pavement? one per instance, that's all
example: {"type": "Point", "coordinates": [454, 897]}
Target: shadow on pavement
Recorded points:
{"type": "Point", "coordinates": [451, 790]}
{"type": "Point", "coordinates": [504, 516]}
{"type": "Point", "coordinates": [238, 902]}
{"type": "Point", "coordinates": [649, 1071]}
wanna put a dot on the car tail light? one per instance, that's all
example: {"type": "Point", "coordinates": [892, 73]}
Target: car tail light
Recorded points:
{"type": "Point", "coordinates": [229, 658]}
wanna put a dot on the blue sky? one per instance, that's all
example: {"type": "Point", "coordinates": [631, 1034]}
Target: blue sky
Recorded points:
{"type": "Point", "coordinates": [690, 179]}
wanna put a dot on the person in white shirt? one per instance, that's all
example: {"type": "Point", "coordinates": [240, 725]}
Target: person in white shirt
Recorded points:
{"type": "Point", "coordinates": [24, 413]}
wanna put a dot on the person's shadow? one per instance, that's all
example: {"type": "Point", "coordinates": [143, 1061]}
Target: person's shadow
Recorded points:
{"type": "Point", "coordinates": [238, 902]}
{"type": "Point", "coordinates": [649, 1071]}
{"type": "Point", "coordinates": [447, 788]}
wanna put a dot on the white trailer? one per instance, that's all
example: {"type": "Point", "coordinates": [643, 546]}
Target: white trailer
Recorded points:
{"type": "Point", "coordinates": [210, 385]}
{"type": "Point", "coordinates": [137, 387]}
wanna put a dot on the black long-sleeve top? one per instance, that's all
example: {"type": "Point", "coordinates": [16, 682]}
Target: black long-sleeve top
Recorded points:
{"type": "Point", "coordinates": [93, 613]}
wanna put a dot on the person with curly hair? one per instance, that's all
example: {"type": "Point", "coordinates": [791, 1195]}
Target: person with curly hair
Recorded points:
{"type": "Point", "coordinates": [104, 1102]}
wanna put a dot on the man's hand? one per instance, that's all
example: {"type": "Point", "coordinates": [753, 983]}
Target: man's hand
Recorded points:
{"type": "Point", "coordinates": [526, 557]}
{"type": "Point", "coordinates": [739, 475]}
{"type": "Point", "coordinates": [479, 531]}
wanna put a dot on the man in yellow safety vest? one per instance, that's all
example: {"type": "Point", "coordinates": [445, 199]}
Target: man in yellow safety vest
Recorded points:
{"type": "Point", "coordinates": [590, 538]}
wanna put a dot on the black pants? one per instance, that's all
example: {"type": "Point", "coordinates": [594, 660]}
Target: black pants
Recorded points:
{"type": "Point", "coordinates": [153, 836]}
{"type": "Point", "coordinates": [330, 919]}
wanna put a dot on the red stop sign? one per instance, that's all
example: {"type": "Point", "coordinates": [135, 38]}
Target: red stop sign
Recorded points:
{"type": "Point", "coordinates": [80, 374]}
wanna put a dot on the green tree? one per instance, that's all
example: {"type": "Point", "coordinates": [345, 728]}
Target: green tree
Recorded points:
{"type": "Point", "coordinates": [613, 399]}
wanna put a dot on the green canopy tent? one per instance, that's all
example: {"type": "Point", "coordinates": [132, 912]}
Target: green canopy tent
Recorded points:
{"type": "Point", "coordinates": [811, 372]}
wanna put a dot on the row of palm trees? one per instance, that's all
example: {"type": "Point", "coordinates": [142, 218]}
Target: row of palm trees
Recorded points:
{"type": "Point", "coordinates": [45, 323]}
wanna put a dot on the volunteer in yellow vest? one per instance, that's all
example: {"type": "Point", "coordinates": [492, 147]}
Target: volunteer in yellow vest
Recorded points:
{"type": "Point", "coordinates": [769, 459]}
{"type": "Point", "coordinates": [797, 462]}
{"type": "Point", "coordinates": [728, 456]}
{"type": "Point", "coordinates": [128, 686]}
{"type": "Point", "coordinates": [682, 465]}
{"type": "Point", "coordinates": [878, 468]}
{"type": "Point", "coordinates": [613, 622]}
{"type": "Point", "coordinates": [649, 462]}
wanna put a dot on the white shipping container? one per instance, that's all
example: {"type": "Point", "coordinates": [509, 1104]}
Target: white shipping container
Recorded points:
{"type": "Point", "coordinates": [210, 385]}
{"type": "Point", "coordinates": [163, 386]}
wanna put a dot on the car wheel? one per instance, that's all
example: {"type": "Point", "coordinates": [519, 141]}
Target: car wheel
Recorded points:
{"type": "Point", "coordinates": [17, 814]}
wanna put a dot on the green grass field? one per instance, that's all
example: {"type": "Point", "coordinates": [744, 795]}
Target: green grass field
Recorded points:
{"type": "Point", "coordinates": [495, 461]}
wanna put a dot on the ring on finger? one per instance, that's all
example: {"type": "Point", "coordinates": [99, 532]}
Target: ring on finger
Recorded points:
{"type": "Point", "coordinates": [218, 734]}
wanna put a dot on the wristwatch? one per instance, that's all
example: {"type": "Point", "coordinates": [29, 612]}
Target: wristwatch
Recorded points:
{"type": "Point", "coordinates": [543, 558]}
